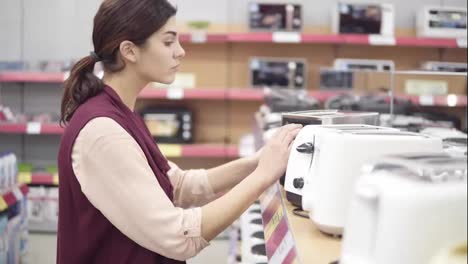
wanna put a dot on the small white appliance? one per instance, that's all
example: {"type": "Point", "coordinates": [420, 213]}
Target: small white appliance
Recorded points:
{"type": "Point", "coordinates": [442, 22]}
{"type": "Point", "coordinates": [455, 141]}
{"type": "Point", "coordinates": [318, 117]}
{"type": "Point", "coordinates": [406, 208]}
{"type": "Point", "coordinates": [443, 66]}
{"type": "Point", "coordinates": [372, 18]}
{"type": "Point", "coordinates": [326, 161]}
{"type": "Point", "coordinates": [364, 64]}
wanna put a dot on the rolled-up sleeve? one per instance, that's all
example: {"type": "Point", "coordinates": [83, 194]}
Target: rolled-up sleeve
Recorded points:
{"type": "Point", "coordinates": [191, 187]}
{"type": "Point", "coordinates": [116, 178]}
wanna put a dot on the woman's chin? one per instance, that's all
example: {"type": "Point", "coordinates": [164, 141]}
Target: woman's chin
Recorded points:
{"type": "Point", "coordinates": [168, 80]}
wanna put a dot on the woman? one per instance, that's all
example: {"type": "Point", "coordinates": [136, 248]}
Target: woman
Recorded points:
{"type": "Point", "coordinates": [120, 200]}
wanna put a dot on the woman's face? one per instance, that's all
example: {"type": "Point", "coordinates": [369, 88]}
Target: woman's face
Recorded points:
{"type": "Point", "coordinates": [160, 57]}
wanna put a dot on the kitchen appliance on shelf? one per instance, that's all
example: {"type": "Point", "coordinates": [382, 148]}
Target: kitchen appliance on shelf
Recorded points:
{"type": "Point", "coordinates": [275, 17]}
{"type": "Point", "coordinates": [444, 66]}
{"type": "Point", "coordinates": [364, 65]}
{"type": "Point", "coordinates": [442, 22]}
{"type": "Point", "coordinates": [169, 125]}
{"type": "Point", "coordinates": [336, 79]}
{"type": "Point", "coordinates": [352, 17]}
{"type": "Point", "coordinates": [288, 73]}
{"type": "Point", "coordinates": [406, 208]}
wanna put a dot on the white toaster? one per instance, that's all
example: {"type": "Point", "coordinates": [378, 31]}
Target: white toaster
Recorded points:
{"type": "Point", "coordinates": [326, 161]}
{"type": "Point", "coordinates": [317, 117]}
{"type": "Point", "coordinates": [405, 209]}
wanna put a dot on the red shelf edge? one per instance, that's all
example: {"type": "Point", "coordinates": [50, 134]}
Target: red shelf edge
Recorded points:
{"type": "Point", "coordinates": [210, 150]}
{"type": "Point", "coordinates": [426, 42]}
{"type": "Point", "coordinates": [12, 128]}
{"type": "Point", "coordinates": [39, 77]}
{"type": "Point", "coordinates": [21, 128]}
{"type": "Point", "coordinates": [246, 94]}
{"type": "Point", "coordinates": [42, 178]}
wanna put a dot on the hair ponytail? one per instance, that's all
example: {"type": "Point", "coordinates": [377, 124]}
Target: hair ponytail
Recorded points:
{"type": "Point", "coordinates": [81, 85]}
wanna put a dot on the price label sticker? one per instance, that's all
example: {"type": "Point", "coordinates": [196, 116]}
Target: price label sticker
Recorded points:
{"type": "Point", "coordinates": [461, 42]}
{"type": "Point", "coordinates": [379, 40]}
{"type": "Point", "coordinates": [427, 100]}
{"type": "Point", "coordinates": [198, 37]}
{"type": "Point", "coordinates": [33, 128]}
{"type": "Point", "coordinates": [25, 177]}
{"type": "Point", "coordinates": [287, 37]}
{"type": "Point", "coordinates": [170, 150]}
{"type": "Point", "coordinates": [55, 179]}
{"type": "Point", "coordinates": [175, 93]}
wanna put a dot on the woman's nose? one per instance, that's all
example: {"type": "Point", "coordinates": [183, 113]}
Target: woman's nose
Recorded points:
{"type": "Point", "coordinates": [180, 52]}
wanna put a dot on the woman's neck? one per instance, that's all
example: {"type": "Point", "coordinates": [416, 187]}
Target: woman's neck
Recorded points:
{"type": "Point", "coordinates": [126, 85]}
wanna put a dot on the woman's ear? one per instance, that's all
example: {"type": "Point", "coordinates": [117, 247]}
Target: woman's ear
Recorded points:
{"type": "Point", "coordinates": [128, 51]}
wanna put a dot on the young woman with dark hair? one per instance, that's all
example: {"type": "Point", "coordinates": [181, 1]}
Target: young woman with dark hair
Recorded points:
{"type": "Point", "coordinates": [120, 200]}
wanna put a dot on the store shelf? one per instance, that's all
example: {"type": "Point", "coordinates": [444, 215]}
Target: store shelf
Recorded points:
{"type": "Point", "coordinates": [12, 196]}
{"type": "Point", "coordinates": [31, 128]}
{"type": "Point", "coordinates": [294, 37]}
{"type": "Point", "coordinates": [32, 77]}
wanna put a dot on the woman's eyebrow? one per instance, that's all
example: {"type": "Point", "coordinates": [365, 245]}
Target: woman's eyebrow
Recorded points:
{"type": "Point", "coordinates": [171, 33]}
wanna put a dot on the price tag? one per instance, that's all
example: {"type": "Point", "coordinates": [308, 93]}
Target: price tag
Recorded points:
{"type": "Point", "coordinates": [170, 150]}
{"type": "Point", "coordinates": [427, 100]}
{"type": "Point", "coordinates": [25, 177]}
{"type": "Point", "coordinates": [280, 244]}
{"type": "Point", "coordinates": [287, 37]}
{"type": "Point", "coordinates": [175, 93]}
{"type": "Point", "coordinates": [55, 179]}
{"type": "Point", "coordinates": [199, 37]}
{"type": "Point", "coordinates": [3, 204]}
{"type": "Point", "coordinates": [452, 100]}
{"type": "Point", "coordinates": [66, 75]}
{"type": "Point", "coordinates": [33, 128]}
{"type": "Point", "coordinates": [379, 40]}
{"type": "Point", "coordinates": [461, 42]}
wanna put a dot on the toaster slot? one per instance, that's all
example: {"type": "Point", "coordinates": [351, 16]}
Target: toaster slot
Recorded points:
{"type": "Point", "coordinates": [355, 128]}
{"type": "Point", "coordinates": [385, 133]}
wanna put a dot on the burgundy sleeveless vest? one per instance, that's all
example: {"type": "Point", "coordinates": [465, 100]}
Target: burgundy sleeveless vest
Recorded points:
{"type": "Point", "coordinates": [85, 236]}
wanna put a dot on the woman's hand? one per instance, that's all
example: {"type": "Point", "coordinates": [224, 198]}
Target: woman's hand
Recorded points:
{"type": "Point", "coordinates": [273, 157]}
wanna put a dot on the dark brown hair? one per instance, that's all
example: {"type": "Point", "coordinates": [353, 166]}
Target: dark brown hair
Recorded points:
{"type": "Point", "coordinates": [115, 22]}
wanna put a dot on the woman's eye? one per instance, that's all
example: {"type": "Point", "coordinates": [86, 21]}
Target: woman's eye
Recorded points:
{"type": "Point", "coordinates": [168, 43]}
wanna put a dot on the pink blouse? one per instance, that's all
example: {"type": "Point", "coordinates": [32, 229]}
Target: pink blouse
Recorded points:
{"type": "Point", "coordinates": [115, 177]}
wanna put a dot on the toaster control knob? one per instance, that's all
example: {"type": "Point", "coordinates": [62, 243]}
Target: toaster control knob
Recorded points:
{"type": "Point", "coordinates": [306, 148]}
{"type": "Point", "coordinates": [298, 183]}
